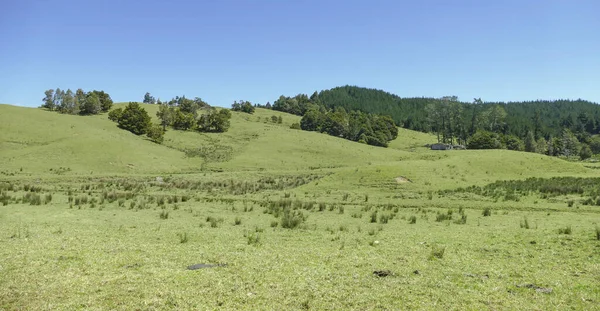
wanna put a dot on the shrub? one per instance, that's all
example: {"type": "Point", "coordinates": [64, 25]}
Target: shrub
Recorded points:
{"type": "Point", "coordinates": [164, 215]}
{"type": "Point", "coordinates": [487, 212]}
{"type": "Point", "coordinates": [462, 220]}
{"type": "Point", "coordinates": [156, 133]}
{"type": "Point", "coordinates": [374, 217]}
{"type": "Point", "coordinates": [295, 126]}
{"type": "Point", "coordinates": [524, 223]}
{"type": "Point", "coordinates": [292, 219]}
{"type": "Point", "coordinates": [253, 238]}
{"type": "Point", "coordinates": [183, 237]}
{"type": "Point", "coordinates": [565, 230]}
{"type": "Point", "coordinates": [412, 219]}
{"type": "Point", "coordinates": [484, 140]}
{"type": "Point", "coordinates": [135, 119]}
{"type": "Point", "coordinates": [597, 233]}
{"type": "Point", "coordinates": [237, 221]}
{"type": "Point", "coordinates": [274, 223]}
{"type": "Point", "coordinates": [441, 217]}
{"type": "Point", "coordinates": [384, 218]}
{"type": "Point", "coordinates": [48, 198]}
{"type": "Point", "coordinates": [437, 252]}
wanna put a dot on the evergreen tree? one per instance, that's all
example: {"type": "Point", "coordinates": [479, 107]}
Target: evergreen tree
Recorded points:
{"type": "Point", "coordinates": [48, 100]}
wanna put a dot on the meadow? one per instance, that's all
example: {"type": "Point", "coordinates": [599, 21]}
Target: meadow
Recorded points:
{"type": "Point", "coordinates": [94, 218]}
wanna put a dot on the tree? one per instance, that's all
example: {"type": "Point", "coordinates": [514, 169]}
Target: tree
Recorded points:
{"type": "Point", "coordinates": [165, 115]}
{"type": "Point", "coordinates": [243, 106]}
{"type": "Point", "coordinates": [91, 104]}
{"type": "Point", "coordinates": [115, 114]}
{"type": "Point", "coordinates": [105, 100]}
{"type": "Point", "coordinates": [513, 142]}
{"type": "Point", "coordinates": [68, 103]}
{"type": "Point", "coordinates": [541, 146]}
{"type": "Point", "coordinates": [48, 100]}
{"type": "Point", "coordinates": [484, 140]}
{"type": "Point", "coordinates": [214, 121]}
{"type": "Point", "coordinates": [570, 144]}
{"type": "Point", "coordinates": [156, 133]}
{"type": "Point", "coordinates": [135, 119]}
{"type": "Point", "coordinates": [80, 97]}
{"type": "Point", "coordinates": [530, 143]}
{"type": "Point", "coordinates": [585, 152]}
{"type": "Point", "coordinates": [148, 99]}
{"type": "Point", "coordinates": [58, 98]}
{"type": "Point", "coordinates": [595, 144]}
{"type": "Point", "coordinates": [182, 120]}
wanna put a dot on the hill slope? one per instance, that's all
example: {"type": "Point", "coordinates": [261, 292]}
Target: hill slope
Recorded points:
{"type": "Point", "coordinates": [41, 142]}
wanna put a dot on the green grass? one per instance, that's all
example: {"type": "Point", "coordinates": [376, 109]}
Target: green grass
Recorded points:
{"type": "Point", "coordinates": [301, 220]}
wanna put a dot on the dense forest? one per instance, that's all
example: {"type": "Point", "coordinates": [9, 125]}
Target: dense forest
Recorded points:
{"type": "Point", "coordinates": [557, 127]}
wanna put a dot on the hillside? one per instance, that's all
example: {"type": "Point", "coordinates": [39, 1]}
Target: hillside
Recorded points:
{"type": "Point", "coordinates": [75, 145]}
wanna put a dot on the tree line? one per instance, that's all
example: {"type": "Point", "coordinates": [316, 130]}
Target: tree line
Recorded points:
{"type": "Point", "coordinates": [354, 125]}
{"type": "Point", "coordinates": [80, 102]}
{"type": "Point", "coordinates": [557, 128]}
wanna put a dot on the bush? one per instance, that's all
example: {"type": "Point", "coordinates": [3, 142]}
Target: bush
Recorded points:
{"type": "Point", "coordinates": [156, 133]}
{"type": "Point", "coordinates": [164, 215]}
{"type": "Point", "coordinates": [484, 140]}
{"type": "Point", "coordinates": [437, 252]}
{"type": "Point", "coordinates": [243, 106]}
{"type": "Point", "coordinates": [565, 230]}
{"type": "Point", "coordinates": [292, 219]}
{"type": "Point", "coordinates": [524, 223]}
{"type": "Point", "coordinates": [135, 119]}
{"type": "Point", "coordinates": [597, 233]}
{"type": "Point", "coordinates": [295, 126]}
{"type": "Point", "coordinates": [412, 219]}
{"type": "Point", "coordinates": [487, 212]}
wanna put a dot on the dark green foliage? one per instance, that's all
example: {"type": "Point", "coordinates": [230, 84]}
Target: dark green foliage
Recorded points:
{"type": "Point", "coordinates": [182, 121]}
{"type": "Point", "coordinates": [105, 100]}
{"type": "Point", "coordinates": [166, 115]}
{"type": "Point", "coordinates": [156, 133]}
{"type": "Point", "coordinates": [487, 212]}
{"type": "Point", "coordinates": [243, 106]}
{"type": "Point", "coordinates": [91, 105]}
{"type": "Point", "coordinates": [237, 221]}
{"type": "Point", "coordinates": [295, 126]}
{"type": "Point", "coordinates": [164, 215]}
{"type": "Point", "coordinates": [115, 114]}
{"type": "Point", "coordinates": [513, 143]}
{"type": "Point", "coordinates": [149, 99]}
{"type": "Point", "coordinates": [135, 119]}
{"type": "Point", "coordinates": [214, 121]}
{"type": "Point", "coordinates": [356, 126]}
{"type": "Point", "coordinates": [585, 152]}
{"type": "Point", "coordinates": [81, 102]}
{"type": "Point", "coordinates": [484, 140]}
{"type": "Point", "coordinates": [412, 219]}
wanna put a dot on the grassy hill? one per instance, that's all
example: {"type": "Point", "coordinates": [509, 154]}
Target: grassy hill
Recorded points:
{"type": "Point", "coordinates": [37, 142]}
{"type": "Point", "coordinates": [301, 220]}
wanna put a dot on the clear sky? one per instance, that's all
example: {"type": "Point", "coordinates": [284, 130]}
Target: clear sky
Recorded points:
{"type": "Point", "coordinates": [256, 50]}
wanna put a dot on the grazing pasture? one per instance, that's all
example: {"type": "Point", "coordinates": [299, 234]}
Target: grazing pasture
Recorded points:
{"type": "Point", "coordinates": [268, 217]}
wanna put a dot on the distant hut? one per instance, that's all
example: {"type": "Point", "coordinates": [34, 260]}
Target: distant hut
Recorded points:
{"type": "Point", "coordinates": [440, 146]}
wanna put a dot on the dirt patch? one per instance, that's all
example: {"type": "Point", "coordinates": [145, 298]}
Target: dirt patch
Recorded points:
{"type": "Point", "coordinates": [402, 180]}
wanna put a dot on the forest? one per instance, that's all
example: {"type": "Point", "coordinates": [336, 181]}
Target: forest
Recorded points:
{"type": "Point", "coordinates": [553, 127]}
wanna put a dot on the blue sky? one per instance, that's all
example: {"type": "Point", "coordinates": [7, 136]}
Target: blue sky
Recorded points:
{"type": "Point", "coordinates": [257, 50]}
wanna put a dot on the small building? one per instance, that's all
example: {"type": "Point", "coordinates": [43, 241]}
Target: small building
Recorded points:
{"type": "Point", "coordinates": [440, 146]}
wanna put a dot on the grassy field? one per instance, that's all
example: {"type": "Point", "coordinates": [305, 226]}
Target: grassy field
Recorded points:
{"type": "Point", "coordinates": [96, 218]}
